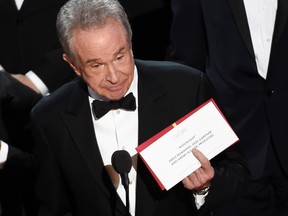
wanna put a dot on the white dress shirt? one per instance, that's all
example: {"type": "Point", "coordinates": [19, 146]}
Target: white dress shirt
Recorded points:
{"type": "Point", "coordinates": [261, 16]}
{"type": "Point", "coordinates": [19, 3]}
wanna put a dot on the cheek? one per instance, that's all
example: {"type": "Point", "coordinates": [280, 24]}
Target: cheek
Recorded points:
{"type": "Point", "coordinates": [127, 70]}
{"type": "Point", "coordinates": [130, 75]}
{"type": "Point", "coordinates": [96, 82]}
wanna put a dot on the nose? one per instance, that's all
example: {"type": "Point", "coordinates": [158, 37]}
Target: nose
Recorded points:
{"type": "Point", "coordinates": [112, 74]}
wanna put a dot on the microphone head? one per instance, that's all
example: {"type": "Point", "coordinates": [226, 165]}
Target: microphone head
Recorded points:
{"type": "Point", "coordinates": [121, 161]}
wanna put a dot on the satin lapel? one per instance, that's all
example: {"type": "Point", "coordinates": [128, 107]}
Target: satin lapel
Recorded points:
{"type": "Point", "coordinates": [281, 20]}
{"type": "Point", "coordinates": [30, 5]}
{"type": "Point", "coordinates": [79, 122]}
{"type": "Point", "coordinates": [13, 3]}
{"type": "Point", "coordinates": [238, 10]}
{"type": "Point", "coordinates": [149, 93]}
{"type": "Point", "coordinates": [149, 103]}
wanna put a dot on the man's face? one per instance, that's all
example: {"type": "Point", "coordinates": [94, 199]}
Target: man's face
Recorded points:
{"type": "Point", "coordinates": [104, 59]}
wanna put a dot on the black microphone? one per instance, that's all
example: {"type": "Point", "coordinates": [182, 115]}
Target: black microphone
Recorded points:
{"type": "Point", "coordinates": [122, 163]}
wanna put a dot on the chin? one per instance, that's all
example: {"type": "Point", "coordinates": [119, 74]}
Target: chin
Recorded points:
{"type": "Point", "coordinates": [114, 96]}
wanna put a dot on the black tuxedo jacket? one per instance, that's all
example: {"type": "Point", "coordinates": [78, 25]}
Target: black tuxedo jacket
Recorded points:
{"type": "Point", "coordinates": [72, 178]}
{"type": "Point", "coordinates": [213, 35]}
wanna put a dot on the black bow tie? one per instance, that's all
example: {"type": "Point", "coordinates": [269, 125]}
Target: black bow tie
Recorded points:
{"type": "Point", "coordinates": [100, 108]}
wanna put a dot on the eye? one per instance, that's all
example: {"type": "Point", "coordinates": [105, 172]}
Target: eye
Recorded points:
{"type": "Point", "coordinates": [119, 57]}
{"type": "Point", "coordinates": [95, 66]}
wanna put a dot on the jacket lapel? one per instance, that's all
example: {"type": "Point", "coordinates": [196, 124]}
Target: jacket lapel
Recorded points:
{"type": "Point", "coordinates": [11, 3]}
{"type": "Point", "coordinates": [149, 93]}
{"type": "Point", "coordinates": [150, 96]}
{"type": "Point", "coordinates": [79, 122]}
{"type": "Point", "coordinates": [238, 10]}
{"type": "Point", "coordinates": [281, 20]}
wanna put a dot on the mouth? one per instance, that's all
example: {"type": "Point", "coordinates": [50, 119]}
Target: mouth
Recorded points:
{"type": "Point", "coordinates": [115, 88]}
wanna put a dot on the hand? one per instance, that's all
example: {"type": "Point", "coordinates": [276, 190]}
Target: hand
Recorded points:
{"type": "Point", "coordinates": [201, 177]}
{"type": "Point", "coordinates": [26, 81]}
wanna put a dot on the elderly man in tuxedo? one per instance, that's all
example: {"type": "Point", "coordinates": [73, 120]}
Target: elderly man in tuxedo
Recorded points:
{"type": "Point", "coordinates": [74, 142]}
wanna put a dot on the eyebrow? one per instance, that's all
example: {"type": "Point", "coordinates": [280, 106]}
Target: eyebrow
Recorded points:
{"type": "Point", "coordinates": [97, 59]}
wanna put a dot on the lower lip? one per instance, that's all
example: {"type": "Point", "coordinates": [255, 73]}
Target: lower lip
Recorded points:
{"type": "Point", "coordinates": [115, 89]}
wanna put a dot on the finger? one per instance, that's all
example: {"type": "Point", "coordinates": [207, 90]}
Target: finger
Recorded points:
{"type": "Point", "coordinates": [201, 178]}
{"type": "Point", "coordinates": [189, 183]}
{"type": "Point", "coordinates": [193, 182]}
{"type": "Point", "coordinates": [205, 163]}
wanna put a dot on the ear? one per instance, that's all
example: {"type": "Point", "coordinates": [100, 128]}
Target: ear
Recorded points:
{"type": "Point", "coordinates": [132, 54]}
{"type": "Point", "coordinates": [66, 58]}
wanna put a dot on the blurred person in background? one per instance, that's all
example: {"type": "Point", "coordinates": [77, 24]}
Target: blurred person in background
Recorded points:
{"type": "Point", "coordinates": [242, 46]}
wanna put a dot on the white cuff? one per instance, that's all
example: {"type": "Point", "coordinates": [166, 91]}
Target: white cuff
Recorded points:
{"type": "Point", "coordinates": [200, 200]}
{"type": "Point", "coordinates": [1, 68]}
{"type": "Point", "coordinates": [38, 83]}
{"type": "Point", "coordinates": [3, 154]}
